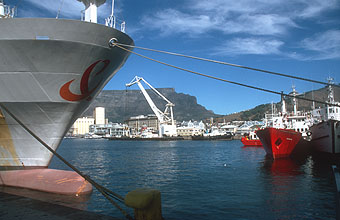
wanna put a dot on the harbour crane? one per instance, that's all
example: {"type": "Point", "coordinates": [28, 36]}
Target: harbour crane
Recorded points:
{"type": "Point", "coordinates": [166, 125]}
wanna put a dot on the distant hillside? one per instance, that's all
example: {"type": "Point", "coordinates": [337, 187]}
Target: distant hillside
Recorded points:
{"type": "Point", "coordinates": [122, 104]}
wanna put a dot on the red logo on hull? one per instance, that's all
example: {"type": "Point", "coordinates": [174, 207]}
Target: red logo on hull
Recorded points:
{"type": "Point", "coordinates": [66, 93]}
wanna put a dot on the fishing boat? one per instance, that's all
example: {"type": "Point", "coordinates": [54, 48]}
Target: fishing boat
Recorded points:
{"type": "Point", "coordinates": [326, 132]}
{"type": "Point", "coordinates": [50, 71]}
{"type": "Point", "coordinates": [214, 134]}
{"type": "Point", "coordinates": [283, 132]}
{"type": "Point", "coordinates": [251, 139]}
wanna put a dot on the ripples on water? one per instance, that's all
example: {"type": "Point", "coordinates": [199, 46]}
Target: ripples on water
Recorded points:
{"type": "Point", "coordinates": [205, 179]}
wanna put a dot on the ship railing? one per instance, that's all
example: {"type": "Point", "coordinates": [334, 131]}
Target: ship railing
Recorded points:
{"type": "Point", "coordinates": [113, 22]}
{"type": "Point", "coordinates": [8, 12]}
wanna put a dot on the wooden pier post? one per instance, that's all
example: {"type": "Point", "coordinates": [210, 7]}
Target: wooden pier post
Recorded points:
{"type": "Point", "coordinates": [336, 172]}
{"type": "Point", "coordinates": [146, 203]}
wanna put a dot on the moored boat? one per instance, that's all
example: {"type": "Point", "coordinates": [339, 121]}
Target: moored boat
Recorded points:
{"type": "Point", "coordinates": [326, 133]}
{"type": "Point", "coordinates": [214, 134]}
{"type": "Point", "coordinates": [277, 142]}
{"type": "Point", "coordinates": [284, 132]}
{"type": "Point", "coordinates": [251, 139]}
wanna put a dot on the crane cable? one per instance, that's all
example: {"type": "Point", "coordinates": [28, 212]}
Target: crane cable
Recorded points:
{"type": "Point", "coordinates": [108, 194]}
{"type": "Point", "coordinates": [224, 63]}
{"type": "Point", "coordinates": [220, 79]}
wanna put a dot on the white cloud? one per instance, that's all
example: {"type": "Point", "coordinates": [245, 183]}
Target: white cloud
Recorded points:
{"type": "Point", "coordinates": [262, 24]}
{"type": "Point", "coordinates": [256, 17]}
{"type": "Point", "coordinates": [255, 26]}
{"type": "Point", "coordinates": [69, 8]}
{"type": "Point", "coordinates": [172, 21]}
{"type": "Point", "coordinates": [259, 46]}
{"type": "Point", "coordinates": [315, 7]}
{"type": "Point", "coordinates": [326, 45]}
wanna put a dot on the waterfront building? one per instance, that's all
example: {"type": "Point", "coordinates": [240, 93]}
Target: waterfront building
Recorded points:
{"type": "Point", "coordinates": [119, 130]}
{"type": "Point", "coordinates": [81, 126]}
{"type": "Point", "coordinates": [138, 123]}
{"type": "Point", "coordinates": [249, 126]}
{"type": "Point", "coordinates": [108, 130]}
{"type": "Point", "coordinates": [99, 116]}
{"type": "Point", "coordinates": [229, 128]}
{"type": "Point", "coordinates": [191, 129]}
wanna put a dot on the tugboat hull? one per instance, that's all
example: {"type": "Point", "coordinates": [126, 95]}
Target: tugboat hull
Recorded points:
{"type": "Point", "coordinates": [279, 143]}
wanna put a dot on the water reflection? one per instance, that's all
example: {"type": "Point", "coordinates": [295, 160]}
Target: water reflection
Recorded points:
{"type": "Point", "coordinates": [77, 202]}
{"type": "Point", "coordinates": [282, 167]}
{"type": "Point", "coordinates": [206, 180]}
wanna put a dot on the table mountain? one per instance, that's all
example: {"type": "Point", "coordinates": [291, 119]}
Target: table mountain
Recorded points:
{"type": "Point", "coordinates": [122, 104]}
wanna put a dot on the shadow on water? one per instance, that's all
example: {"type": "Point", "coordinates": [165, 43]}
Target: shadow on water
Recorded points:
{"type": "Point", "coordinates": [72, 201]}
{"type": "Point", "coordinates": [297, 188]}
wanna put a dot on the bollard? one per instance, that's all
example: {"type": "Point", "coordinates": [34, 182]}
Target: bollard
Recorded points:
{"type": "Point", "coordinates": [146, 203]}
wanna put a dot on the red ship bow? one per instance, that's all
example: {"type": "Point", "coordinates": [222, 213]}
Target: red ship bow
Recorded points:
{"type": "Point", "coordinates": [278, 143]}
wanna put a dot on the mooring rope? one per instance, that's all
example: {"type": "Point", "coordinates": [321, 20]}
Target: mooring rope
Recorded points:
{"type": "Point", "coordinates": [224, 80]}
{"type": "Point", "coordinates": [108, 194]}
{"type": "Point", "coordinates": [225, 63]}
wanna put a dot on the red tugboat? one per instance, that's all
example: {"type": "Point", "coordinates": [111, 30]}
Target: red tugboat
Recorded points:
{"type": "Point", "coordinates": [278, 142]}
{"type": "Point", "coordinates": [283, 132]}
{"type": "Point", "coordinates": [251, 140]}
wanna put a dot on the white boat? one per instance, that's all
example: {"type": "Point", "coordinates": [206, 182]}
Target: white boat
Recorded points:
{"type": "Point", "coordinates": [326, 133]}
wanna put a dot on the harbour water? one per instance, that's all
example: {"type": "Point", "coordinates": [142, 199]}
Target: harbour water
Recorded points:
{"type": "Point", "coordinates": [205, 179]}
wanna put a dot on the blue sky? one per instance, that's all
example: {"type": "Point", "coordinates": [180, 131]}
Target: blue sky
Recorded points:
{"type": "Point", "coordinates": [300, 38]}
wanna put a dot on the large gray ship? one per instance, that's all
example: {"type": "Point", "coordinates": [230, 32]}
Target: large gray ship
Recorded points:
{"type": "Point", "coordinates": [50, 70]}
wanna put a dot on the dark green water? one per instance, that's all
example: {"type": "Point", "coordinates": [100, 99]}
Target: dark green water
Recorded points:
{"type": "Point", "coordinates": [205, 179]}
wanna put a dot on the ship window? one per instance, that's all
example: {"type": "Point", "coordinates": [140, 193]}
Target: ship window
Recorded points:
{"type": "Point", "coordinates": [278, 142]}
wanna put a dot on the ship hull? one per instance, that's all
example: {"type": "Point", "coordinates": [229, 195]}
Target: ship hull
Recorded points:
{"type": "Point", "coordinates": [326, 137]}
{"type": "Point", "coordinates": [227, 136]}
{"type": "Point", "coordinates": [50, 71]}
{"type": "Point", "coordinates": [279, 143]}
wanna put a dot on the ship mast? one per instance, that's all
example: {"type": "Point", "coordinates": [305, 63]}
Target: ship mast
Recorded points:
{"type": "Point", "coordinates": [330, 91]}
{"type": "Point", "coordinates": [294, 100]}
{"type": "Point", "coordinates": [283, 104]}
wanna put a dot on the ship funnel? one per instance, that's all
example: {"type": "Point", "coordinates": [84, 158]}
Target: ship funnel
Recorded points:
{"type": "Point", "coordinates": [294, 100]}
{"type": "Point", "coordinates": [283, 104]}
{"type": "Point", "coordinates": [91, 9]}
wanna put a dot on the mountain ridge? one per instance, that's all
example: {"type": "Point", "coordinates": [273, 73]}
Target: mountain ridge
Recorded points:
{"type": "Point", "coordinates": [122, 104]}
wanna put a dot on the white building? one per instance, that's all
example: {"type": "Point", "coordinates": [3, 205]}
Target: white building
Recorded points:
{"type": "Point", "coordinates": [191, 129]}
{"type": "Point", "coordinates": [82, 125]}
{"type": "Point", "coordinates": [109, 130]}
{"type": "Point", "coordinates": [229, 128]}
{"type": "Point", "coordinates": [99, 116]}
